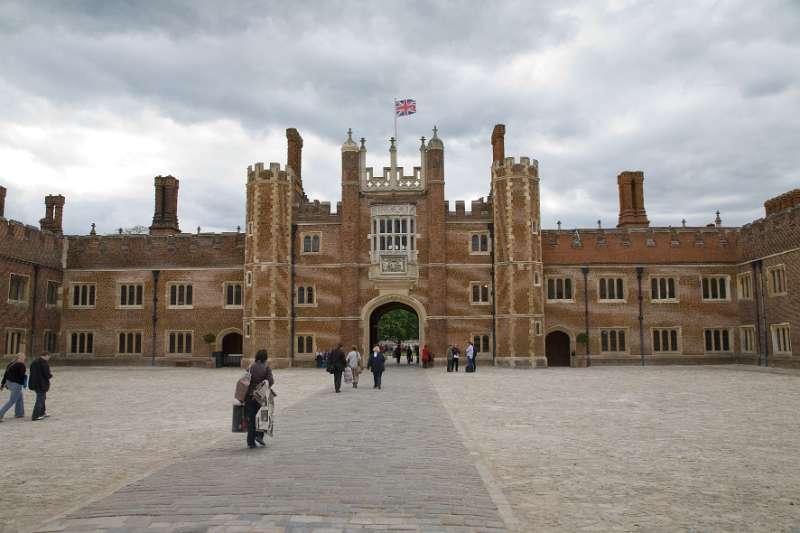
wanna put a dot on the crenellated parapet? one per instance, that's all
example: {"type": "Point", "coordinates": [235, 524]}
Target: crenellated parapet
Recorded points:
{"type": "Point", "coordinates": [181, 250]}
{"type": "Point", "coordinates": [481, 210]}
{"type": "Point", "coordinates": [782, 202]}
{"type": "Point", "coordinates": [315, 211]}
{"type": "Point", "coordinates": [778, 232]}
{"type": "Point", "coordinates": [393, 181]}
{"type": "Point", "coordinates": [272, 172]}
{"type": "Point", "coordinates": [509, 166]}
{"type": "Point", "coordinates": [641, 245]}
{"type": "Point", "coordinates": [27, 243]}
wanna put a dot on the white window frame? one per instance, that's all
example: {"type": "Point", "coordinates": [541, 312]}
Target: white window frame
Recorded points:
{"type": "Point", "coordinates": [744, 332]}
{"type": "Point", "coordinates": [727, 280]}
{"type": "Point", "coordinates": [678, 340]}
{"type": "Point", "coordinates": [184, 332]}
{"type": "Point", "coordinates": [26, 289]}
{"type": "Point", "coordinates": [616, 331]}
{"type": "Point", "coordinates": [615, 278]}
{"type": "Point", "coordinates": [305, 287]}
{"type": "Point", "coordinates": [773, 290]}
{"type": "Point", "coordinates": [169, 294]}
{"type": "Point", "coordinates": [482, 285]}
{"type": "Point", "coordinates": [225, 304]}
{"type": "Point", "coordinates": [478, 349]}
{"type": "Point", "coordinates": [480, 235]}
{"type": "Point", "coordinates": [127, 332]}
{"type": "Point", "coordinates": [46, 335]}
{"type": "Point", "coordinates": [781, 338]}
{"type": "Point", "coordinates": [721, 329]}
{"type": "Point", "coordinates": [305, 337]}
{"type": "Point", "coordinates": [21, 336]}
{"type": "Point", "coordinates": [384, 242]}
{"type": "Point", "coordinates": [69, 349]}
{"type": "Point", "coordinates": [250, 228]}
{"type": "Point", "coordinates": [740, 286]}
{"type": "Point", "coordinates": [665, 277]}
{"type": "Point", "coordinates": [537, 328]}
{"type": "Point", "coordinates": [563, 288]}
{"type": "Point", "coordinates": [537, 278]}
{"type": "Point", "coordinates": [76, 285]}
{"type": "Point", "coordinates": [248, 329]}
{"type": "Point", "coordinates": [58, 285]}
{"type": "Point", "coordinates": [248, 279]}
{"type": "Point", "coordinates": [310, 235]}
{"type": "Point", "coordinates": [128, 285]}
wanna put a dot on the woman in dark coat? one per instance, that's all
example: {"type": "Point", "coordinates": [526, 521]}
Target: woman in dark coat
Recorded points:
{"type": "Point", "coordinates": [14, 379]}
{"type": "Point", "coordinates": [376, 363]}
{"type": "Point", "coordinates": [39, 382]}
{"type": "Point", "coordinates": [338, 362]}
{"type": "Point", "coordinates": [259, 371]}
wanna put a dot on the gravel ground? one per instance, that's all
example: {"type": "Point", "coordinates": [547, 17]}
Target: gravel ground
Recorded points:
{"type": "Point", "coordinates": [111, 426]}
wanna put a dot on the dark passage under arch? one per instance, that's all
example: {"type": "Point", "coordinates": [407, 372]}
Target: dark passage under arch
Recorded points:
{"type": "Point", "coordinates": [379, 312]}
{"type": "Point", "coordinates": [556, 348]}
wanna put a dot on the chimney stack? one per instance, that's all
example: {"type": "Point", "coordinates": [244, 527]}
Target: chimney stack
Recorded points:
{"type": "Point", "coordinates": [53, 214]}
{"type": "Point", "coordinates": [2, 201]}
{"type": "Point", "coordinates": [632, 213]}
{"type": "Point", "coordinates": [165, 216]}
{"type": "Point", "coordinates": [294, 158]}
{"type": "Point", "coordinates": [498, 142]}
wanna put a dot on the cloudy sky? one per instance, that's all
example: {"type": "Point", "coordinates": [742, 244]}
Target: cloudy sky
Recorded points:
{"type": "Point", "coordinates": [99, 97]}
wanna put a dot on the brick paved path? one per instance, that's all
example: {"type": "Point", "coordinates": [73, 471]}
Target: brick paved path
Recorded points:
{"type": "Point", "coordinates": [360, 460]}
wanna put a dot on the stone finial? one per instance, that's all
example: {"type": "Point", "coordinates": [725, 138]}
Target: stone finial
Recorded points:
{"type": "Point", "coordinates": [435, 142]}
{"type": "Point", "coordinates": [392, 142]}
{"type": "Point", "coordinates": [349, 145]}
{"type": "Point", "coordinates": [363, 143]}
{"type": "Point", "coordinates": [238, 229]}
{"type": "Point", "coordinates": [683, 222]}
{"type": "Point", "coordinates": [599, 224]}
{"type": "Point", "coordinates": [93, 231]}
{"type": "Point", "coordinates": [198, 230]}
{"type": "Point", "coordinates": [559, 225]}
{"type": "Point", "coordinates": [422, 142]}
{"type": "Point", "coordinates": [718, 220]}
{"type": "Point", "coordinates": [119, 231]}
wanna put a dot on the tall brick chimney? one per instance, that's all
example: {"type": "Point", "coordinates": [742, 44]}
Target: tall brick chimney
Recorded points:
{"type": "Point", "coordinates": [498, 142]}
{"type": "Point", "coordinates": [294, 159]}
{"type": "Point", "coordinates": [165, 217]}
{"type": "Point", "coordinates": [632, 213]}
{"type": "Point", "coordinates": [53, 213]}
{"type": "Point", "coordinates": [2, 201]}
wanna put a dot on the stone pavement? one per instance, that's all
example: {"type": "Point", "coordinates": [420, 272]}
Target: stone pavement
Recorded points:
{"type": "Point", "coordinates": [364, 460]}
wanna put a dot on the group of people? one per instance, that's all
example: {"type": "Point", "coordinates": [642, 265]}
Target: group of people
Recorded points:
{"type": "Point", "coordinates": [454, 355]}
{"type": "Point", "coordinates": [351, 365]}
{"type": "Point", "coordinates": [16, 379]}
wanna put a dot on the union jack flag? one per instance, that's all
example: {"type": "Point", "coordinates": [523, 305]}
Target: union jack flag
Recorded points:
{"type": "Point", "coordinates": [404, 108]}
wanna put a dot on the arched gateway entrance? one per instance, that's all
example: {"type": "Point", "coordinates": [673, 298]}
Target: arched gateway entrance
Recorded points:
{"type": "Point", "coordinates": [380, 306]}
{"type": "Point", "coordinates": [400, 330]}
{"type": "Point", "coordinates": [556, 348]}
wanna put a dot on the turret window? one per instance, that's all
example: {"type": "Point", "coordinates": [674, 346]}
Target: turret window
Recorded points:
{"type": "Point", "coordinates": [311, 243]}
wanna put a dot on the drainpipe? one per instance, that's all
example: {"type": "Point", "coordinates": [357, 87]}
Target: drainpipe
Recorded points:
{"type": "Point", "coordinates": [639, 272]}
{"type": "Point", "coordinates": [585, 271]}
{"type": "Point", "coordinates": [293, 309]}
{"type": "Point", "coordinates": [761, 309]}
{"type": "Point", "coordinates": [494, 307]}
{"type": "Point", "coordinates": [155, 317]}
{"type": "Point", "coordinates": [34, 294]}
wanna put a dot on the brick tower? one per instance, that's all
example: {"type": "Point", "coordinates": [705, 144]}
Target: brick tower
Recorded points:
{"type": "Point", "coordinates": [268, 263]}
{"type": "Point", "coordinates": [433, 165]}
{"type": "Point", "coordinates": [350, 241]}
{"type": "Point", "coordinates": [519, 298]}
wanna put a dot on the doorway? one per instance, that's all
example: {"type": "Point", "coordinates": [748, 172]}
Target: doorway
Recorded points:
{"type": "Point", "coordinates": [557, 349]}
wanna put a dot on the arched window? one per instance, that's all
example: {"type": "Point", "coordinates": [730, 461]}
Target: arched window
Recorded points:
{"type": "Point", "coordinates": [301, 295]}
{"type": "Point", "coordinates": [307, 244]}
{"type": "Point", "coordinates": [315, 243]}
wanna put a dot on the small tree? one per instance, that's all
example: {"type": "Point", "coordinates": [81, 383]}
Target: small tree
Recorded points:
{"type": "Point", "coordinates": [209, 338]}
{"type": "Point", "coordinates": [582, 338]}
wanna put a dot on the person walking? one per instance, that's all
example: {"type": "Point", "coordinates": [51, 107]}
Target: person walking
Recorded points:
{"type": "Point", "coordinates": [397, 353]}
{"type": "Point", "coordinates": [355, 364]}
{"type": "Point", "coordinates": [470, 350]}
{"type": "Point", "coordinates": [14, 379]}
{"type": "Point", "coordinates": [376, 363]}
{"type": "Point", "coordinates": [338, 362]}
{"type": "Point", "coordinates": [39, 382]}
{"type": "Point", "coordinates": [456, 355]}
{"type": "Point", "coordinates": [426, 357]}
{"type": "Point", "coordinates": [450, 358]}
{"type": "Point", "coordinates": [259, 371]}
{"type": "Point", "coordinates": [409, 354]}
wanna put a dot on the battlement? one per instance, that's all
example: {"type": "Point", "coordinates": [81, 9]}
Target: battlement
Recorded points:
{"type": "Point", "coordinates": [509, 166]}
{"type": "Point", "coordinates": [317, 211]}
{"type": "Point", "coordinates": [387, 182]}
{"type": "Point", "coordinates": [641, 245]}
{"type": "Point", "coordinates": [28, 243]}
{"type": "Point", "coordinates": [181, 250]}
{"type": "Point", "coordinates": [481, 209]}
{"type": "Point", "coordinates": [781, 202]}
{"type": "Point", "coordinates": [777, 232]}
{"type": "Point", "coordinates": [258, 171]}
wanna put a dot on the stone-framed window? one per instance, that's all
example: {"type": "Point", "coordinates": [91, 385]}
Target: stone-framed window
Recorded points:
{"type": "Point", "coordinates": [394, 231]}
{"type": "Point", "coordinates": [50, 341]}
{"type": "Point", "coordinates": [180, 295]}
{"type": "Point", "coordinates": [18, 288]}
{"type": "Point", "coordinates": [81, 343]}
{"type": "Point", "coordinates": [15, 341]}
{"type": "Point", "coordinates": [130, 295]}
{"type": "Point", "coordinates": [613, 340]}
{"type": "Point", "coordinates": [311, 243]}
{"type": "Point", "coordinates": [306, 295]}
{"type": "Point", "coordinates": [559, 289]}
{"type": "Point", "coordinates": [744, 286]}
{"type": "Point", "coordinates": [53, 295]}
{"type": "Point", "coordinates": [537, 278]}
{"type": "Point", "coordinates": [747, 339]}
{"type": "Point", "coordinates": [479, 243]}
{"type": "Point", "coordinates": [611, 289]}
{"type": "Point", "coordinates": [537, 328]}
{"type": "Point", "coordinates": [179, 342]}
{"type": "Point", "coordinates": [304, 343]}
{"type": "Point", "coordinates": [781, 339]}
{"type": "Point", "coordinates": [248, 278]}
{"type": "Point", "coordinates": [715, 288]}
{"type": "Point", "coordinates": [248, 329]}
{"type": "Point", "coordinates": [663, 289]}
{"type": "Point", "coordinates": [776, 276]}
{"type": "Point", "coordinates": [232, 295]}
{"type": "Point", "coordinates": [83, 295]}
{"type": "Point", "coordinates": [479, 293]}
{"type": "Point", "coordinates": [482, 342]}
{"type": "Point", "coordinates": [666, 340]}
{"type": "Point", "coordinates": [250, 228]}
{"type": "Point", "coordinates": [129, 342]}
{"type": "Point", "coordinates": [717, 340]}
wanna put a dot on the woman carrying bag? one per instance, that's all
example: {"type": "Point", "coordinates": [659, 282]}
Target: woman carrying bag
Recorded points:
{"type": "Point", "coordinates": [355, 365]}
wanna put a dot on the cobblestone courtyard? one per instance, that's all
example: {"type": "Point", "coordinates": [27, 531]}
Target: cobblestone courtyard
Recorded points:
{"type": "Point", "coordinates": [599, 449]}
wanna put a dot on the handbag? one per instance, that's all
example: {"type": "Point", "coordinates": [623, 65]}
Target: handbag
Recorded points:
{"type": "Point", "coordinates": [348, 375]}
{"type": "Point", "coordinates": [242, 386]}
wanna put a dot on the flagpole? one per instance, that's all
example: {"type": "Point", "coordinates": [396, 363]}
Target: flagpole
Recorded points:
{"type": "Point", "coordinates": [395, 119]}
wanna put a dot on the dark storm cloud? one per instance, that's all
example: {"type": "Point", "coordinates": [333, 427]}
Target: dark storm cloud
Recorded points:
{"type": "Point", "coordinates": [704, 97]}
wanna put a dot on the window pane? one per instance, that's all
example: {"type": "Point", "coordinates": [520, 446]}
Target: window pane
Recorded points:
{"type": "Point", "coordinates": [656, 341]}
{"type": "Point", "coordinates": [705, 288]}
{"type": "Point", "coordinates": [307, 243]}
{"type": "Point", "coordinates": [138, 343]}
{"type": "Point", "coordinates": [673, 335]}
{"type": "Point", "coordinates": [654, 289]}
{"type": "Point", "coordinates": [123, 295]}
{"type": "Point", "coordinates": [404, 226]}
{"type": "Point", "coordinates": [619, 288]}
{"type": "Point", "coordinates": [484, 243]}
{"type": "Point", "coordinates": [475, 243]}
{"type": "Point", "coordinates": [476, 293]}
{"type": "Point", "coordinates": [551, 290]}
{"type": "Point", "coordinates": [485, 293]}
{"type": "Point", "coordinates": [725, 340]}
{"type": "Point", "coordinates": [73, 346]}
{"type": "Point", "coordinates": [139, 291]}
{"type": "Point", "coordinates": [315, 243]}
{"type": "Point", "coordinates": [568, 289]}
{"type": "Point", "coordinates": [310, 295]}
{"type": "Point", "coordinates": [91, 294]}
{"type": "Point", "coordinates": [603, 292]}
{"type": "Point", "coordinates": [604, 341]}
{"type": "Point", "coordinates": [82, 343]}
{"type": "Point", "coordinates": [309, 344]}
{"type": "Point", "coordinates": [121, 343]}
{"type": "Point", "coordinates": [301, 295]}
{"type": "Point", "coordinates": [559, 289]}
{"type": "Point", "coordinates": [300, 345]}
{"type": "Point", "coordinates": [621, 340]}
{"type": "Point", "coordinates": [171, 343]}
{"type": "Point", "coordinates": [238, 295]}
{"type": "Point", "coordinates": [723, 288]}
{"type": "Point", "coordinates": [188, 343]}
{"type": "Point", "coordinates": [188, 295]}
{"type": "Point", "coordinates": [180, 342]}
{"type": "Point", "coordinates": [486, 343]}
{"type": "Point", "coordinates": [173, 295]}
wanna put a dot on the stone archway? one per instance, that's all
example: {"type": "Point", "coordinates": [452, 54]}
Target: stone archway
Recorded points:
{"type": "Point", "coordinates": [384, 303]}
{"type": "Point", "coordinates": [557, 348]}
{"type": "Point", "coordinates": [232, 344]}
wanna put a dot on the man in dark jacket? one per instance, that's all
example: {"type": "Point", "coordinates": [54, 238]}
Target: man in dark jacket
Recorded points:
{"type": "Point", "coordinates": [337, 364]}
{"type": "Point", "coordinates": [39, 382]}
{"type": "Point", "coordinates": [376, 363]}
{"type": "Point", "coordinates": [14, 379]}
